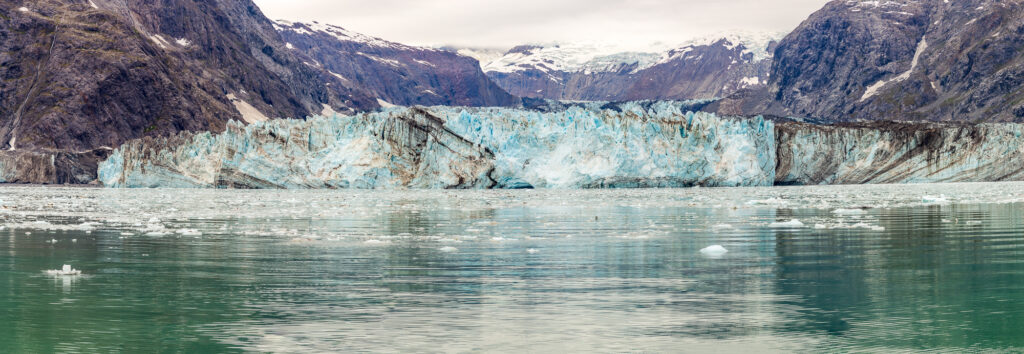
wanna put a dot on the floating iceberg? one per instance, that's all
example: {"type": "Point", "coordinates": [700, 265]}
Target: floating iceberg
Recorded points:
{"type": "Point", "coordinates": [714, 251]}
{"type": "Point", "coordinates": [787, 224]}
{"type": "Point", "coordinates": [64, 271]}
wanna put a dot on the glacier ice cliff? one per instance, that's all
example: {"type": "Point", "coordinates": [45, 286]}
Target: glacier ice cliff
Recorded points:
{"type": "Point", "coordinates": [875, 153]}
{"type": "Point", "coordinates": [588, 145]}
{"type": "Point", "coordinates": [582, 146]}
{"type": "Point", "coordinates": [394, 149]}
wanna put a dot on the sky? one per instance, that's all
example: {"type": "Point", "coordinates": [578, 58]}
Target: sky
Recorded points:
{"type": "Point", "coordinates": [505, 23]}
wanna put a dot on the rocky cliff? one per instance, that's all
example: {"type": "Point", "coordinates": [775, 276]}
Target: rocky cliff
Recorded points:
{"type": "Point", "coordinates": [81, 75]}
{"type": "Point", "coordinates": [898, 60]}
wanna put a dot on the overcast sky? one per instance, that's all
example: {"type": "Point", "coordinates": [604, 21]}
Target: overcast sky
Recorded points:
{"type": "Point", "coordinates": [504, 23]}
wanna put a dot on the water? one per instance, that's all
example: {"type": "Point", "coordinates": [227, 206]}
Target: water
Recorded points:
{"type": "Point", "coordinates": [874, 268]}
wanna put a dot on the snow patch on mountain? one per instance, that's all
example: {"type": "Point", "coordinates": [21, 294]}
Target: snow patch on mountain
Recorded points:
{"type": "Point", "coordinates": [591, 57]}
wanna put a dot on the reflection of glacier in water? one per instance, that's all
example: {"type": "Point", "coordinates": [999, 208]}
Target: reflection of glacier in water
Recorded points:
{"type": "Point", "coordinates": [610, 270]}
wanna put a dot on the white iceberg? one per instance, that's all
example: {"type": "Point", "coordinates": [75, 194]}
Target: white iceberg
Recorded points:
{"type": "Point", "coordinates": [787, 224]}
{"type": "Point", "coordinates": [64, 271]}
{"type": "Point", "coordinates": [714, 251]}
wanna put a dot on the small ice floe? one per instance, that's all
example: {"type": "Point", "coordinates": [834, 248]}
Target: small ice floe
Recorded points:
{"type": "Point", "coordinates": [973, 222]}
{"type": "Point", "coordinates": [64, 271]}
{"type": "Point", "coordinates": [928, 199]}
{"type": "Point", "coordinates": [721, 227]}
{"type": "Point", "coordinates": [154, 220]}
{"type": "Point", "coordinates": [532, 251]}
{"type": "Point", "coordinates": [189, 232]}
{"type": "Point", "coordinates": [374, 242]}
{"type": "Point", "coordinates": [849, 212]}
{"type": "Point", "coordinates": [448, 249]}
{"type": "Point", "coordinates": [868, 226]}
{"type": "Point", "coordinates": [714, 251]}
{"type": "Point", "coordinates": [786, 224]}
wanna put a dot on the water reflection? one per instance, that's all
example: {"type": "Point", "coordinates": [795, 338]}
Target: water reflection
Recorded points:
{"type": "Point", "coordinates": [608, 271]}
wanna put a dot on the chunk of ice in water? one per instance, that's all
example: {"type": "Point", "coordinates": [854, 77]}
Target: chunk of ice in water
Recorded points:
{"type": "Point", "coordinates": [64, 271]}
{"type": "Point", "coordinates": [448, 249]}
{"type": "Point", "coordinates": [714, 251]}
{"type": "Point", "coordinates": [532, 251]}
{"type": "Point", "coordinates": [189, 232]}
{"type": "Point", "coordinates": [848, 211]}
{"type": "Point", "coordinates": [787, 224]}
{"type": "Point", "coordinates": [934, 200]}
{"type": "Point", "coordinates": [720, 227]}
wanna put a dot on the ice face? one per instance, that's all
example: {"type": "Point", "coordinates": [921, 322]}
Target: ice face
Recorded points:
{"type": "Point", "coordinates": [898, 153]}
{"type": "Point", "coordinates": [632, 145]}
{"type": "Point", "coordinates": [592, 145]}
{"type": "Point", "coordinates": [400, 148]}
{"type": "Point", "coordinates": [636, 146]}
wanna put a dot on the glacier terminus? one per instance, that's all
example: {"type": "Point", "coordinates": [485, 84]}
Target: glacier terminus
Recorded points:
{"type": "Point", "coordinates": [578, 145]}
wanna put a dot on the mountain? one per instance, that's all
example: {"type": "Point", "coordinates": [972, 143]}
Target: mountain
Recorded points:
{"type": "Point", "coordinates": [906, 60]}
{"type": "Point", "coordinates": [396, 73]}
{"type": "Point", "coordinates": [80, 75]}
{"type": "Point", "coordinates": [701, 69]}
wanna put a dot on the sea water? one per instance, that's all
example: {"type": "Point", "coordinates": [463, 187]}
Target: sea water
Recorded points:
{"type": "Point", "coordinates": [838, 268]}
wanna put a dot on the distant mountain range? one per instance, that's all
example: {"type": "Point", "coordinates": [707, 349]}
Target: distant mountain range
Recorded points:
{"type": "Point", "coordinates": [394, 73]}
{"type": "Point", "coordinates": [701, 69]}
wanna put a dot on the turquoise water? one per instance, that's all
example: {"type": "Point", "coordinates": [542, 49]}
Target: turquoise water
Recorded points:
{"type": "Point", "coordinates": [871, 268]}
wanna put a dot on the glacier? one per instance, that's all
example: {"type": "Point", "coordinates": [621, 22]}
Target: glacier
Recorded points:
{"type": "Point", "coordinates": [579, 145]}
{"type": "Point", "coordinates": [583, 146]}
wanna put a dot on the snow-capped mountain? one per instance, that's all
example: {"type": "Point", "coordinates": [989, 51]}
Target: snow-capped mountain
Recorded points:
{"type": "Point", "coordinates": [709, 67]}
{"type": "Point", "coordinates": [395, 73]}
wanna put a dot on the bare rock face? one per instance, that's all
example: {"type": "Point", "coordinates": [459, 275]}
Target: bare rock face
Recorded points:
{"type": "Point", "coordinates": [902, 60]}
{"type": "Point", "coordinates": [395, 73]}
{"type": "Point", "coordinates": [83, 75]}
{"type": "Point", "coordinates": [704, 69]}
{"type": "Point", "coordinates": [61, 167]}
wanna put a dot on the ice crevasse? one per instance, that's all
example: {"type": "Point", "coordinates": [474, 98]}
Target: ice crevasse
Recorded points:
{"type": "Point", "coordinates": [639, 144]}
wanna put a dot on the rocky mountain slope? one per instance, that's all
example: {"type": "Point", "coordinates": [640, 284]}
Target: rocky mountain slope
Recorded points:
{"type": "Point", "coordinates": [88, 74]}
{"type": "Point", "coordinates": [396, 73]}
{"type": "Point", "coordinates": [702, 69]}
{"type": "Point", "coordinates": [907, 60]}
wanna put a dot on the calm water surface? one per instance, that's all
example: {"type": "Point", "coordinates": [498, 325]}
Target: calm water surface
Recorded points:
{"type": "Point", "coordinates": [865, 268]}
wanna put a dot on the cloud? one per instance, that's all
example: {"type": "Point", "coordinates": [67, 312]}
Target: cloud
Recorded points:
{"type": "Point", "coordinates": [504, 23]}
